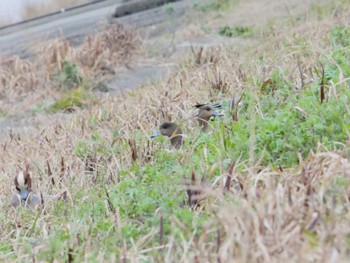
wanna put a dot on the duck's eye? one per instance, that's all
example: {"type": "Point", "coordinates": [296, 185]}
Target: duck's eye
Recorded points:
{"type": "Point", "coordinates": [208, 109]}
{"type": "Point", "coordinates": [165, 126]}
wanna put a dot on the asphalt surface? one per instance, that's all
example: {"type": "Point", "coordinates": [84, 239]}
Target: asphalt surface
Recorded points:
{"type": "Point", "coordinates": [75, 24]}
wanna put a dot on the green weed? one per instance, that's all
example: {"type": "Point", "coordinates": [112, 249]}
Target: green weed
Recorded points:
{"type": "Point", "coordinates": [69, 77]}
{"type": "Point", "coordinates": [77, 97]}
{"type": "Point", "coordinates": [228, 31]}
{"type": "Point", "coordinates": [216, 5]}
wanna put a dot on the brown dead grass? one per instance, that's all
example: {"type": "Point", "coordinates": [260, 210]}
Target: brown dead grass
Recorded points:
{"type": "Point", "coordinates": [294, 215]}
{"type": "Point", "coordinates": [99, 55]}
{"type": "Point", "coordinates": [263, 215]}
{"type": "Point", "coordinates": [97, 60]}
{"type": "Point", "coordinates": [290, 215]}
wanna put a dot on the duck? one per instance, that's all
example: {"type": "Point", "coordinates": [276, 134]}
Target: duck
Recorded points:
{"type": "Point", "coordinates": [206, 112]}
{"type": "Point", "coordinates": [171, 130]}
{"type": "Point", "coordinates": [25, 196]}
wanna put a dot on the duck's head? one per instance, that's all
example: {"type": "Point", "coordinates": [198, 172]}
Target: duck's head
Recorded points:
{"type": "Point", "coordinates": [171, 130]}
{"type": "Point", "coordinates": [206, 111]}
{"type": "Point", "coordinates": [23, 183]}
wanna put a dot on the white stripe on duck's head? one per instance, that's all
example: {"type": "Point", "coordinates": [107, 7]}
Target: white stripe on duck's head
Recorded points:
{"type": "Point", "coordinates": [23, 183]}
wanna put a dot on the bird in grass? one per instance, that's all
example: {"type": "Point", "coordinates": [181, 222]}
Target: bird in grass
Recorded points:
{"type": "Point", "coordinates": [171, 130]}
{"type": "Point", "coordinates": [25, 196]}
{"type": "Point", "coordinates": [206, 112]}
{"type": "Point", "coordinates": [23, 184]}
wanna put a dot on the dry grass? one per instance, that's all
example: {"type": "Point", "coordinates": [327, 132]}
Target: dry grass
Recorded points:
{"type": "Point", "coordinates": [99, 55]}
{"type": "Point", "coordinates": [295, 215]}
{"type": "Point", "coordinates": [249, 212]}
{"type": "Point", "coordinates": [97, 59]}
{"type": "Point", "coordinates": [262, 216]}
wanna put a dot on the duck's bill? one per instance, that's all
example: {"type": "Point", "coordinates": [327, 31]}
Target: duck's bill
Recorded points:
{"type": "Point", "coordinates": [156, 134]}
{"type": "Point", "coordinates": [24, 194]}
{"type": "Point", "coordinates": [218, 114]}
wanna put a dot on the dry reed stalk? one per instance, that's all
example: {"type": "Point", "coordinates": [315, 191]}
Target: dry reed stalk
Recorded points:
{"type": "Point", "coordinates": [97, 59]}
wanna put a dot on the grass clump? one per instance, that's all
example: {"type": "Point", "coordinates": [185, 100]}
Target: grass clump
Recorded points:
{"type": "Point", "coordinates": [75, 98]}
{"type": "Point", "coordinates": [237, 31]}
{"type": "Point", "coordinates": [337, 68]}
{"type": "Point", "coordinates": [340, 36]}
{"type": "Point", "coordinates": [288, 129]}
{"type": "Point", "coordinates": [66, 66]}
{"type": "Point", "coordinates": [69, 77]}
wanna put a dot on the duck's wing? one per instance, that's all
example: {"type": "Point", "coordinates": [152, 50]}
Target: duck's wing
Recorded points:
{"type": "Point", "coordinates": [15, 200]}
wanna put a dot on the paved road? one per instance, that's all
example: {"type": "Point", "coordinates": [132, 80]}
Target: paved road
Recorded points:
{"type": "Point", "coordinates": [76, 24]}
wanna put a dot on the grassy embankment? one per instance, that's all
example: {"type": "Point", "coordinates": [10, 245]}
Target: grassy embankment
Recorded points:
{"type": "Point", "coordinates": [273, 175]}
